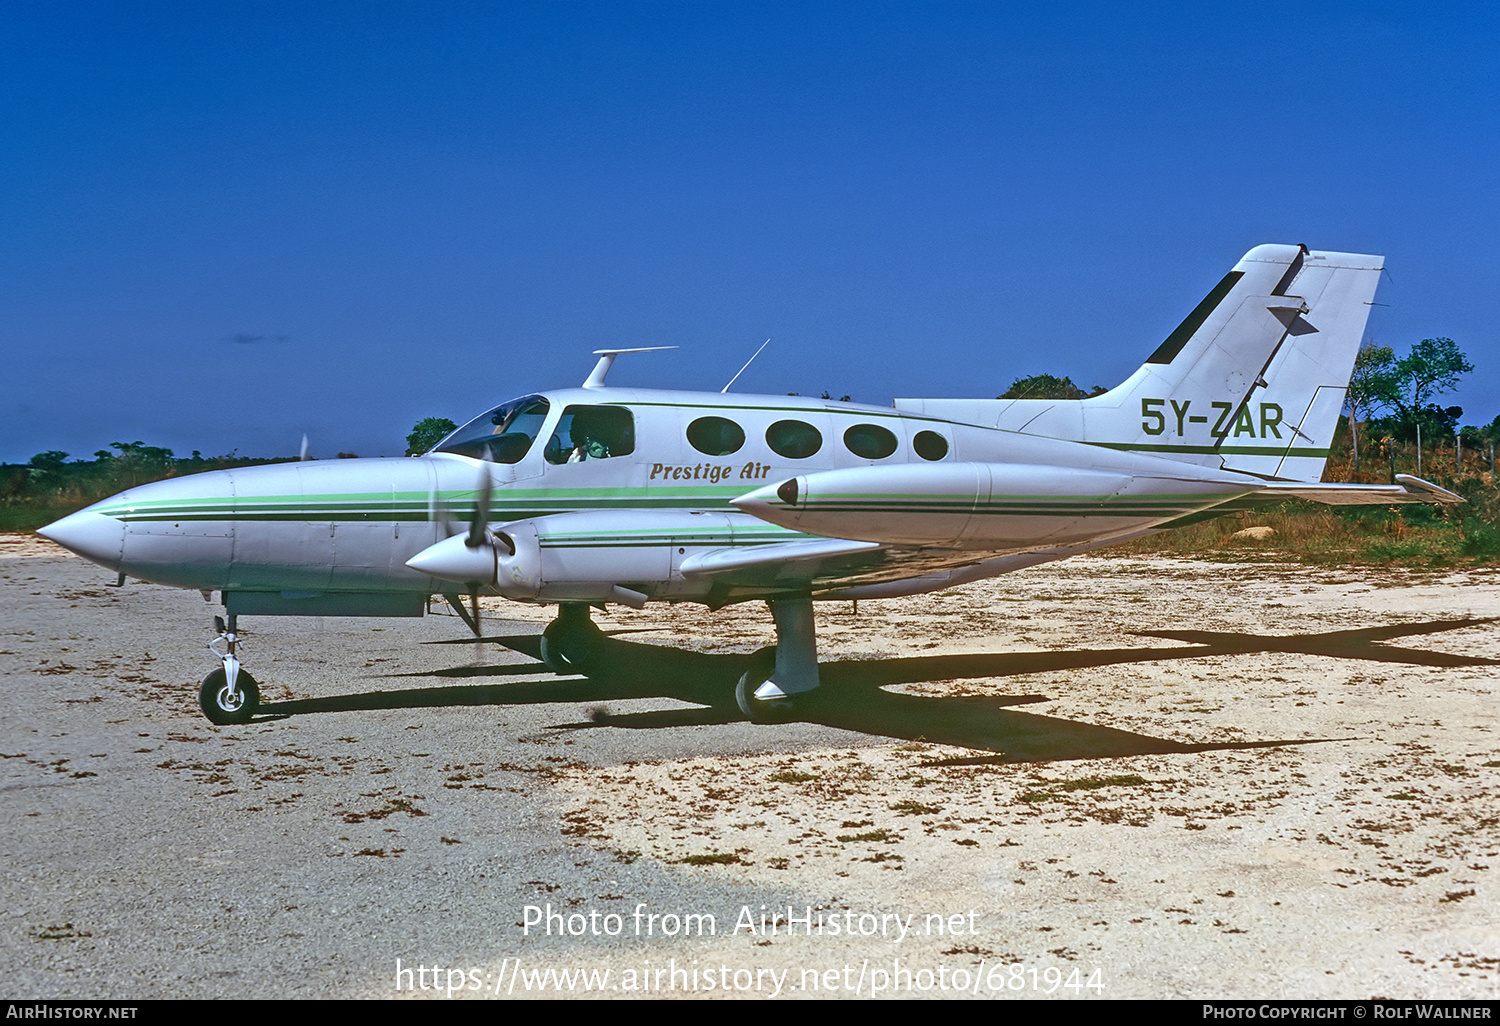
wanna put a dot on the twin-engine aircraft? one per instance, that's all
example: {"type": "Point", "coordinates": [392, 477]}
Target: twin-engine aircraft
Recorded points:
{"type": "Point", "coordinates": [581, 497]}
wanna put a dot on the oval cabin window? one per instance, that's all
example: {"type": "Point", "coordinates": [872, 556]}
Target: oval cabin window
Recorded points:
{"type": "Point", "coordinates": [715, 436]}
{"type": "Point", "coordinates": [930, 445]}
{"type": "Point", "coordinates": [870, 441]}
{"type": "Point", "coordinates": [793, 439]}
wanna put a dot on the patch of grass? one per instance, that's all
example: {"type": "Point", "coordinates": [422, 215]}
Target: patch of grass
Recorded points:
{"type": "Point", "coordinates": [712, 859]}
{"type": "Point", "coordinates": [910, 808]}
{"type": "Point", "coordinates": [868, 835]}
{"type": "Point", "coordinates": [791, 777]}
{"type": "Point", "coordinates": [1381, 550]}
{"type": "Point", "coordinates": [1409, 533]}
{"type": "Point", "coordinates": [28, 518]}
{"type": "Point", "coordinates": [67, 931]}
{"type": "Point", "coordinates": [1481, 539]}
{"type": "Point", "coordinates": [1091, 783]}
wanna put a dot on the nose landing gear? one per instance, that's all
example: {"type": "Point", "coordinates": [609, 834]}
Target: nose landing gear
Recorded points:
{"type": "Point", "coordinates": [228, 695]}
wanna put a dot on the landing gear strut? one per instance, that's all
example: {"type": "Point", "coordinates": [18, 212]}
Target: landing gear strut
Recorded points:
{"type": "Point", "coordinates": [765, 691]}
{"type": "Point", "coordinates": [229, 694]}
{"type": "Point", "coordinates": [570, 644]}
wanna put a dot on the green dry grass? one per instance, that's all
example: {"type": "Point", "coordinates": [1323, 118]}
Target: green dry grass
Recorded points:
{"type": "Point", "coordinates": [1410, 534]}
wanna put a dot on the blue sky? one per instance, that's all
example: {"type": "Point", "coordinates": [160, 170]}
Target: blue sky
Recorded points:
{"type": "Point", "coordinates": [224, 225]}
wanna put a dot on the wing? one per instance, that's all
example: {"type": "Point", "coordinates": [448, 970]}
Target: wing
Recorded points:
{"type": "Point", "coordinates": [844, 569]}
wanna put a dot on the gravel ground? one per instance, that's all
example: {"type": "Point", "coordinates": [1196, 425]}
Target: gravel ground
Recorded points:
{"type": "Point", "coordinates": [1104, 777]}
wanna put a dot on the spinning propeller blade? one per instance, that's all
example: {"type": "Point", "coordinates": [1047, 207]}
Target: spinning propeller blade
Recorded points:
{"type": "Point", "coordinates": [479, 524]}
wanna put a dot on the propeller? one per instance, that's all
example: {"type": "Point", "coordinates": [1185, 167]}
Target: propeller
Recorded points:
{"type": "Point", "coordinates": [474, 556]}
{"type": "Point", "coordinates": [480, 535]}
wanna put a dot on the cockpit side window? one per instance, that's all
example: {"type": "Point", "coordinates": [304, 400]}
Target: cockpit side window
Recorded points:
{"type": "Point", "coordinates": [503, 435]}
{"type": "Point", "coordinates": [591, 433]}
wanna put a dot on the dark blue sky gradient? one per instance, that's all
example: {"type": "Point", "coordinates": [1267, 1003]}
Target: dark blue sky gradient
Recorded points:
{"type": "Point", "coordinates": [225, 225]}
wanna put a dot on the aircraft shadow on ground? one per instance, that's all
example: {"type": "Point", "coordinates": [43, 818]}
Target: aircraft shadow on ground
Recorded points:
{"type": "Point", "coordinates": [853, 697]}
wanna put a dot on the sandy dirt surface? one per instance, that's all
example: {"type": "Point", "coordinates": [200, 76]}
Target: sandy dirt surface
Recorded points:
{"type": "Point", "coordinates": [1100, 778]}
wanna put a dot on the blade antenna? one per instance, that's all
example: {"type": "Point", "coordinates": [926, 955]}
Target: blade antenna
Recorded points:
{"type": "Point", "coordinates": [303, 455]}
{"type": "Point", "coordinates": [744, 368]}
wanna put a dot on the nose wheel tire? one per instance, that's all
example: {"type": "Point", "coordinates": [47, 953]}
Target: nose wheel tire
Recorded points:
{"type": "Point", "coordinates": [761, 710]}
{"type": "Point", "coordinates": [217, 704]}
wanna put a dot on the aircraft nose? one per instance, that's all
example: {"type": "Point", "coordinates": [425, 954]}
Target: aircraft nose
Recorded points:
{"type": "Point", "coordinates": [93, 536]}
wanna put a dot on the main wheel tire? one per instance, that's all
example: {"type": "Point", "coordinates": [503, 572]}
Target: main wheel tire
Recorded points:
{"type": "Point", "coordinates": [214, 700]}
{"type": "Point", "coordinates": [569, 649]}
{"type": "Point", "coordinates": [761, 710]}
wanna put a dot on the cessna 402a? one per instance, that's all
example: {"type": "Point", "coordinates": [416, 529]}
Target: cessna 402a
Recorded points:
{"type": "Point", "coordinates": [580, 497]}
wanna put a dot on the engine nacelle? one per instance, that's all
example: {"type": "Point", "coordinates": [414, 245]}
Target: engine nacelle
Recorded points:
{"type": "Point", "coordinates": [594, 556]}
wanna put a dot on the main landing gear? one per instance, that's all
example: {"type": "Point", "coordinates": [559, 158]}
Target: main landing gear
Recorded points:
{"type": "Point", "coordinates": [766, 690]}
{"type": "Point", "coordinates": [229, 694]}
{"type": "Point", "coordinates": [571, 643]}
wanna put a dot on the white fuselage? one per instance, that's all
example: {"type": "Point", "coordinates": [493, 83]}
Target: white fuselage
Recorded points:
{"type": "Point", "coordinates": [288, 536]}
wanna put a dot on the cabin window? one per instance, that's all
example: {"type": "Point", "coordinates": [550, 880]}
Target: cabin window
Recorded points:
{"type": "Point", "coordinates": [870, 441]}
{"type": "Point", "coordinates": [503, 435]}
{"type": "Point", "coordinates": [715, 436]}
{"type": "Point", "coordinates": [930, 445]}
{"type": "Point", "coordinates": [793, 439]}
{"type": "Point", "coordinates": [586, 433]}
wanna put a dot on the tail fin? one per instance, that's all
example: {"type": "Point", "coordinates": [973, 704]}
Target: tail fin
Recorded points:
{"type": "Point", "coordinates": [1297, 412]}
{"type": "Point", "coordinates": [1252, 380]}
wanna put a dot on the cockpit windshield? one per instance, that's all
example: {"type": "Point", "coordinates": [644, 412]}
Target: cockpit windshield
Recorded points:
{"type": "Point", "coordinates": [504, 434]}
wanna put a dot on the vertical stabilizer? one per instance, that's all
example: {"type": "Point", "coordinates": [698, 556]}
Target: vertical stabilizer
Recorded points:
{"type": "Point", "coordinates": [1252, 380]}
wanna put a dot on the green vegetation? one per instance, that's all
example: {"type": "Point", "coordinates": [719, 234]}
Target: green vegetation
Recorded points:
{"type": "Point", "coordinates": [1409, 534]}
{"type": "Point", "coordinates": [50, 485]}
{"type": "Point", "coordinates": [1083, 784]}
{"type": "Point", "coordinates": [427, 433]}
{"type": "Point", "coordinates": [1047, 386]}
{"type": "Point", "coordinates": [1094, 783]}
{"type": "Point", "coordinates": [910, 808]}
{"type": "Point", "coordinates": [791, 777]}
{"type": "Point", "coordinates": [1405, 388]}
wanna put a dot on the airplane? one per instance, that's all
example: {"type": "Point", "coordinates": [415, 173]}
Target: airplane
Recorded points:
{"type": "Point", "coordinates": [580, 497]}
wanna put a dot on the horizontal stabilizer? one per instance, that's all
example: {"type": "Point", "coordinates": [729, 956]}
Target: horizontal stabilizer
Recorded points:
{"type": "Point", "coordinates": [1407, 489]}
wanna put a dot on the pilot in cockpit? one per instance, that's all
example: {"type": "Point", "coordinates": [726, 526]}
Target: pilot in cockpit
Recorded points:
{"type": "Point", "coordinates": [587, 438]}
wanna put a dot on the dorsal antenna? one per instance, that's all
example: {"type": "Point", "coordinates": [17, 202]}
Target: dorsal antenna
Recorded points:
{"type": "Point", "coordinates": [607, 360]}
{"type": "Point", "coordinates": [745, 368]}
